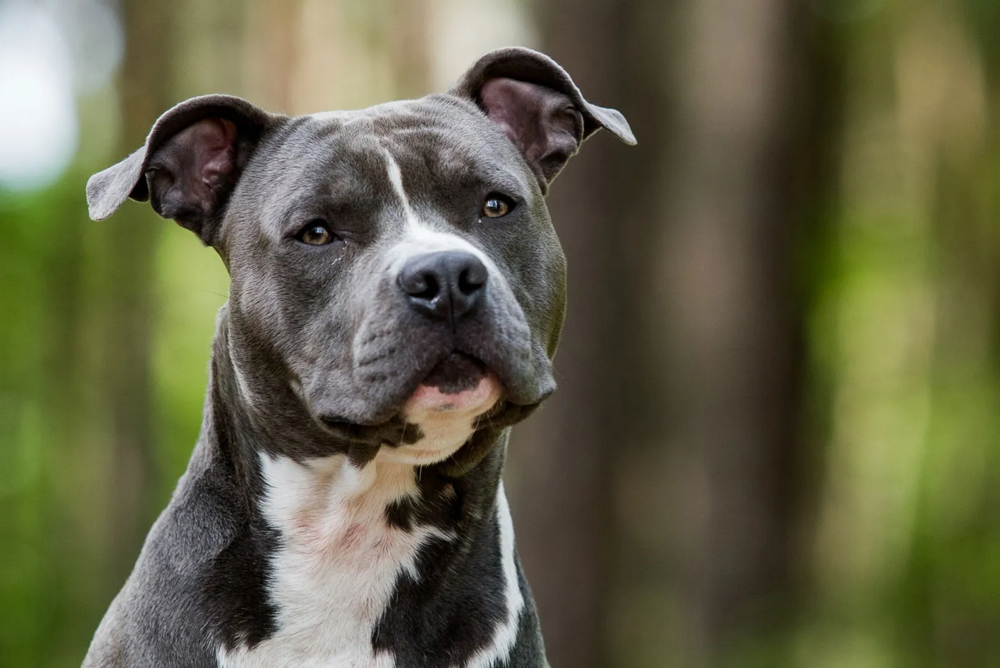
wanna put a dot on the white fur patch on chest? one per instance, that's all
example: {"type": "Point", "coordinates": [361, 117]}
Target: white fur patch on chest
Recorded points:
{"type": "Point", "coordinates": [338, 562]}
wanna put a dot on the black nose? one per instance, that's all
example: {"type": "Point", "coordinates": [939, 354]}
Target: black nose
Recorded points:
{"type": "Point", "coordinates": [445, 285]}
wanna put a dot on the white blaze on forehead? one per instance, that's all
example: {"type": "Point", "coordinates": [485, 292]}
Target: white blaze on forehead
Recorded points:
{"type": "Point", "coordinates": [396, 179]}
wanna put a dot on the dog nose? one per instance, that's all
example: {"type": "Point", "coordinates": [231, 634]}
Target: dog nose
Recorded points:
{"type": "Point", "coordinates": [445, 284]}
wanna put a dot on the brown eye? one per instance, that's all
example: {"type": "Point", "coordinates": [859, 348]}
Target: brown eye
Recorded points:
{"type": "Point", "coordinates": [316, 234]}
{"type": "Point", "coordinates": [496, 206]}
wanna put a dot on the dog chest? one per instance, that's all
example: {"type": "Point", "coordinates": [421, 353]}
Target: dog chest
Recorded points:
{"type": "Point", "coordinates": [338, 560]}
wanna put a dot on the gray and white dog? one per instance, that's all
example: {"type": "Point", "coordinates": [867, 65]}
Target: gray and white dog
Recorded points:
{"type": "Point", "coordinates": [396, 299]}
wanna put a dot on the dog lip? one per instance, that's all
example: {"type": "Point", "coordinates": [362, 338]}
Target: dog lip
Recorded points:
{"type": "Point", "coordinates": [471, 396]}
{"type": "Point", "coordinates": [454, 373]}
{"type": "Point", "coordinates": [345, 426]}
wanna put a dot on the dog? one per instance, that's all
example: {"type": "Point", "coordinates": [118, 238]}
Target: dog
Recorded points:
{"type": "Point", "coordinates": [397, 294]}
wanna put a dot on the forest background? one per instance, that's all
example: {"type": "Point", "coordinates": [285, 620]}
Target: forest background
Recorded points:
{"type": "Point", "coordinates": [777, 436]}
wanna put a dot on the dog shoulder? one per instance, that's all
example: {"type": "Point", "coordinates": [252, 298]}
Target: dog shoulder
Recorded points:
{"type": "Point", "coordinates": [162, 614]}
{"type": "Point", "coordinates": [107, 649]}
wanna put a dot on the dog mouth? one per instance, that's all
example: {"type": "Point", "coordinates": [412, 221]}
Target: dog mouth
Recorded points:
{"type": "Point", "coordinates": [459, 383]}
{"type": "Point", "coordinates": [488, 386]}
{"type": "Point", "coordinates": [456, 373]}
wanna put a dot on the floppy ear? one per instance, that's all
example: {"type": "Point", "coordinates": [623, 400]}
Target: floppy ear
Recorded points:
{"type": "Point", "coordinates": [537, 104]}
{"type": "Point", "coordinates": [191, 161]}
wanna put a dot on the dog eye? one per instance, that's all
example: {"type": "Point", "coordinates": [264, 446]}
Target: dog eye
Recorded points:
{"type": "Point", "coordinates": [316, 233]}
{"type": "Point", "coordinates": [497, 206]}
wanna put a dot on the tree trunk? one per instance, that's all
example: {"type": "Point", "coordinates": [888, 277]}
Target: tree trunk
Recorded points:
{"type": "Point", "coordinates": [129, 300]}
{"type": "Point", "coordinates": [659, 474]}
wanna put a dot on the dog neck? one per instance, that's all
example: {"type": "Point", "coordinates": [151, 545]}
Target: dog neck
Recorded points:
{"type": "Point", "coordinates": [353, 550]}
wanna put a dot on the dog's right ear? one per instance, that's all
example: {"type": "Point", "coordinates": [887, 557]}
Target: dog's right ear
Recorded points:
{"type": "Point", "coordinates": [191, 162]}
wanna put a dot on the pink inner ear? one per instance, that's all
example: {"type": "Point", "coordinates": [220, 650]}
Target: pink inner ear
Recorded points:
{"type": "Point", "coordinates": [541, 122]}
{"type": "Point", "coordinates": [516, 107]}
{"type": "Point", "coordinates": [200, 160]}
{"type": "Point", "coordinates": [212, 140]}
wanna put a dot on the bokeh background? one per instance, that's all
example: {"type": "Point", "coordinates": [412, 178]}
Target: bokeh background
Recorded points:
{"type": "Point", "coordinates": [777, 438]}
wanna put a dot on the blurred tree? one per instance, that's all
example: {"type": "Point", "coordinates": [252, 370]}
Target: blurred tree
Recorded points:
{"type": "Point", "coordinates": [271, 51]}
{"type": "Point", "coordinates": [145, 92]}
{"type": "Point", "coordinates": [656, 517]}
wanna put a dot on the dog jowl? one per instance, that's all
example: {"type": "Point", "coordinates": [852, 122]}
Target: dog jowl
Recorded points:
{"type": "Point", "coordinates": [397, 292]}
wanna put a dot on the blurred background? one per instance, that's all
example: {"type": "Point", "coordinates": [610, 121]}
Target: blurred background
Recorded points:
{"type": "Point", "coordinates": [777, 438]}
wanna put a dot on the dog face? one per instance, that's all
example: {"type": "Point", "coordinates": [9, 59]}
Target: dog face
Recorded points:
{"type": "Point", "coordinates": [388, 265]}
{"type": "Point", "coordinates": [370, 250]}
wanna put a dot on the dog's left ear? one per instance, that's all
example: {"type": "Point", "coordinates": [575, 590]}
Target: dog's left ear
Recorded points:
{"type": "Point", "coordinates": [537, 104]}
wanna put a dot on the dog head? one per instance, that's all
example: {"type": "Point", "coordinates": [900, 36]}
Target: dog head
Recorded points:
{"type": "Point", "coordinates": [392, 265]}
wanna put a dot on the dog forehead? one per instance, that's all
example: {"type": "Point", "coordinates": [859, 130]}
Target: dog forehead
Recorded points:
{"type": "Point", "coordinates": [448, 119]}
{"type": "Point", "coordinates": [441, 145]}
{"type": "Point", "coordinates": [434, 133]}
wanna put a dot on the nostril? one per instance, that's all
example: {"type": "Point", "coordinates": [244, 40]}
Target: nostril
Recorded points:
{"type": "Point", "coordinates": [428, 288]}
{"type": "Point", "coordinates": [472, 279]}
{"type": "Point", "coordinates": [420, 285]}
